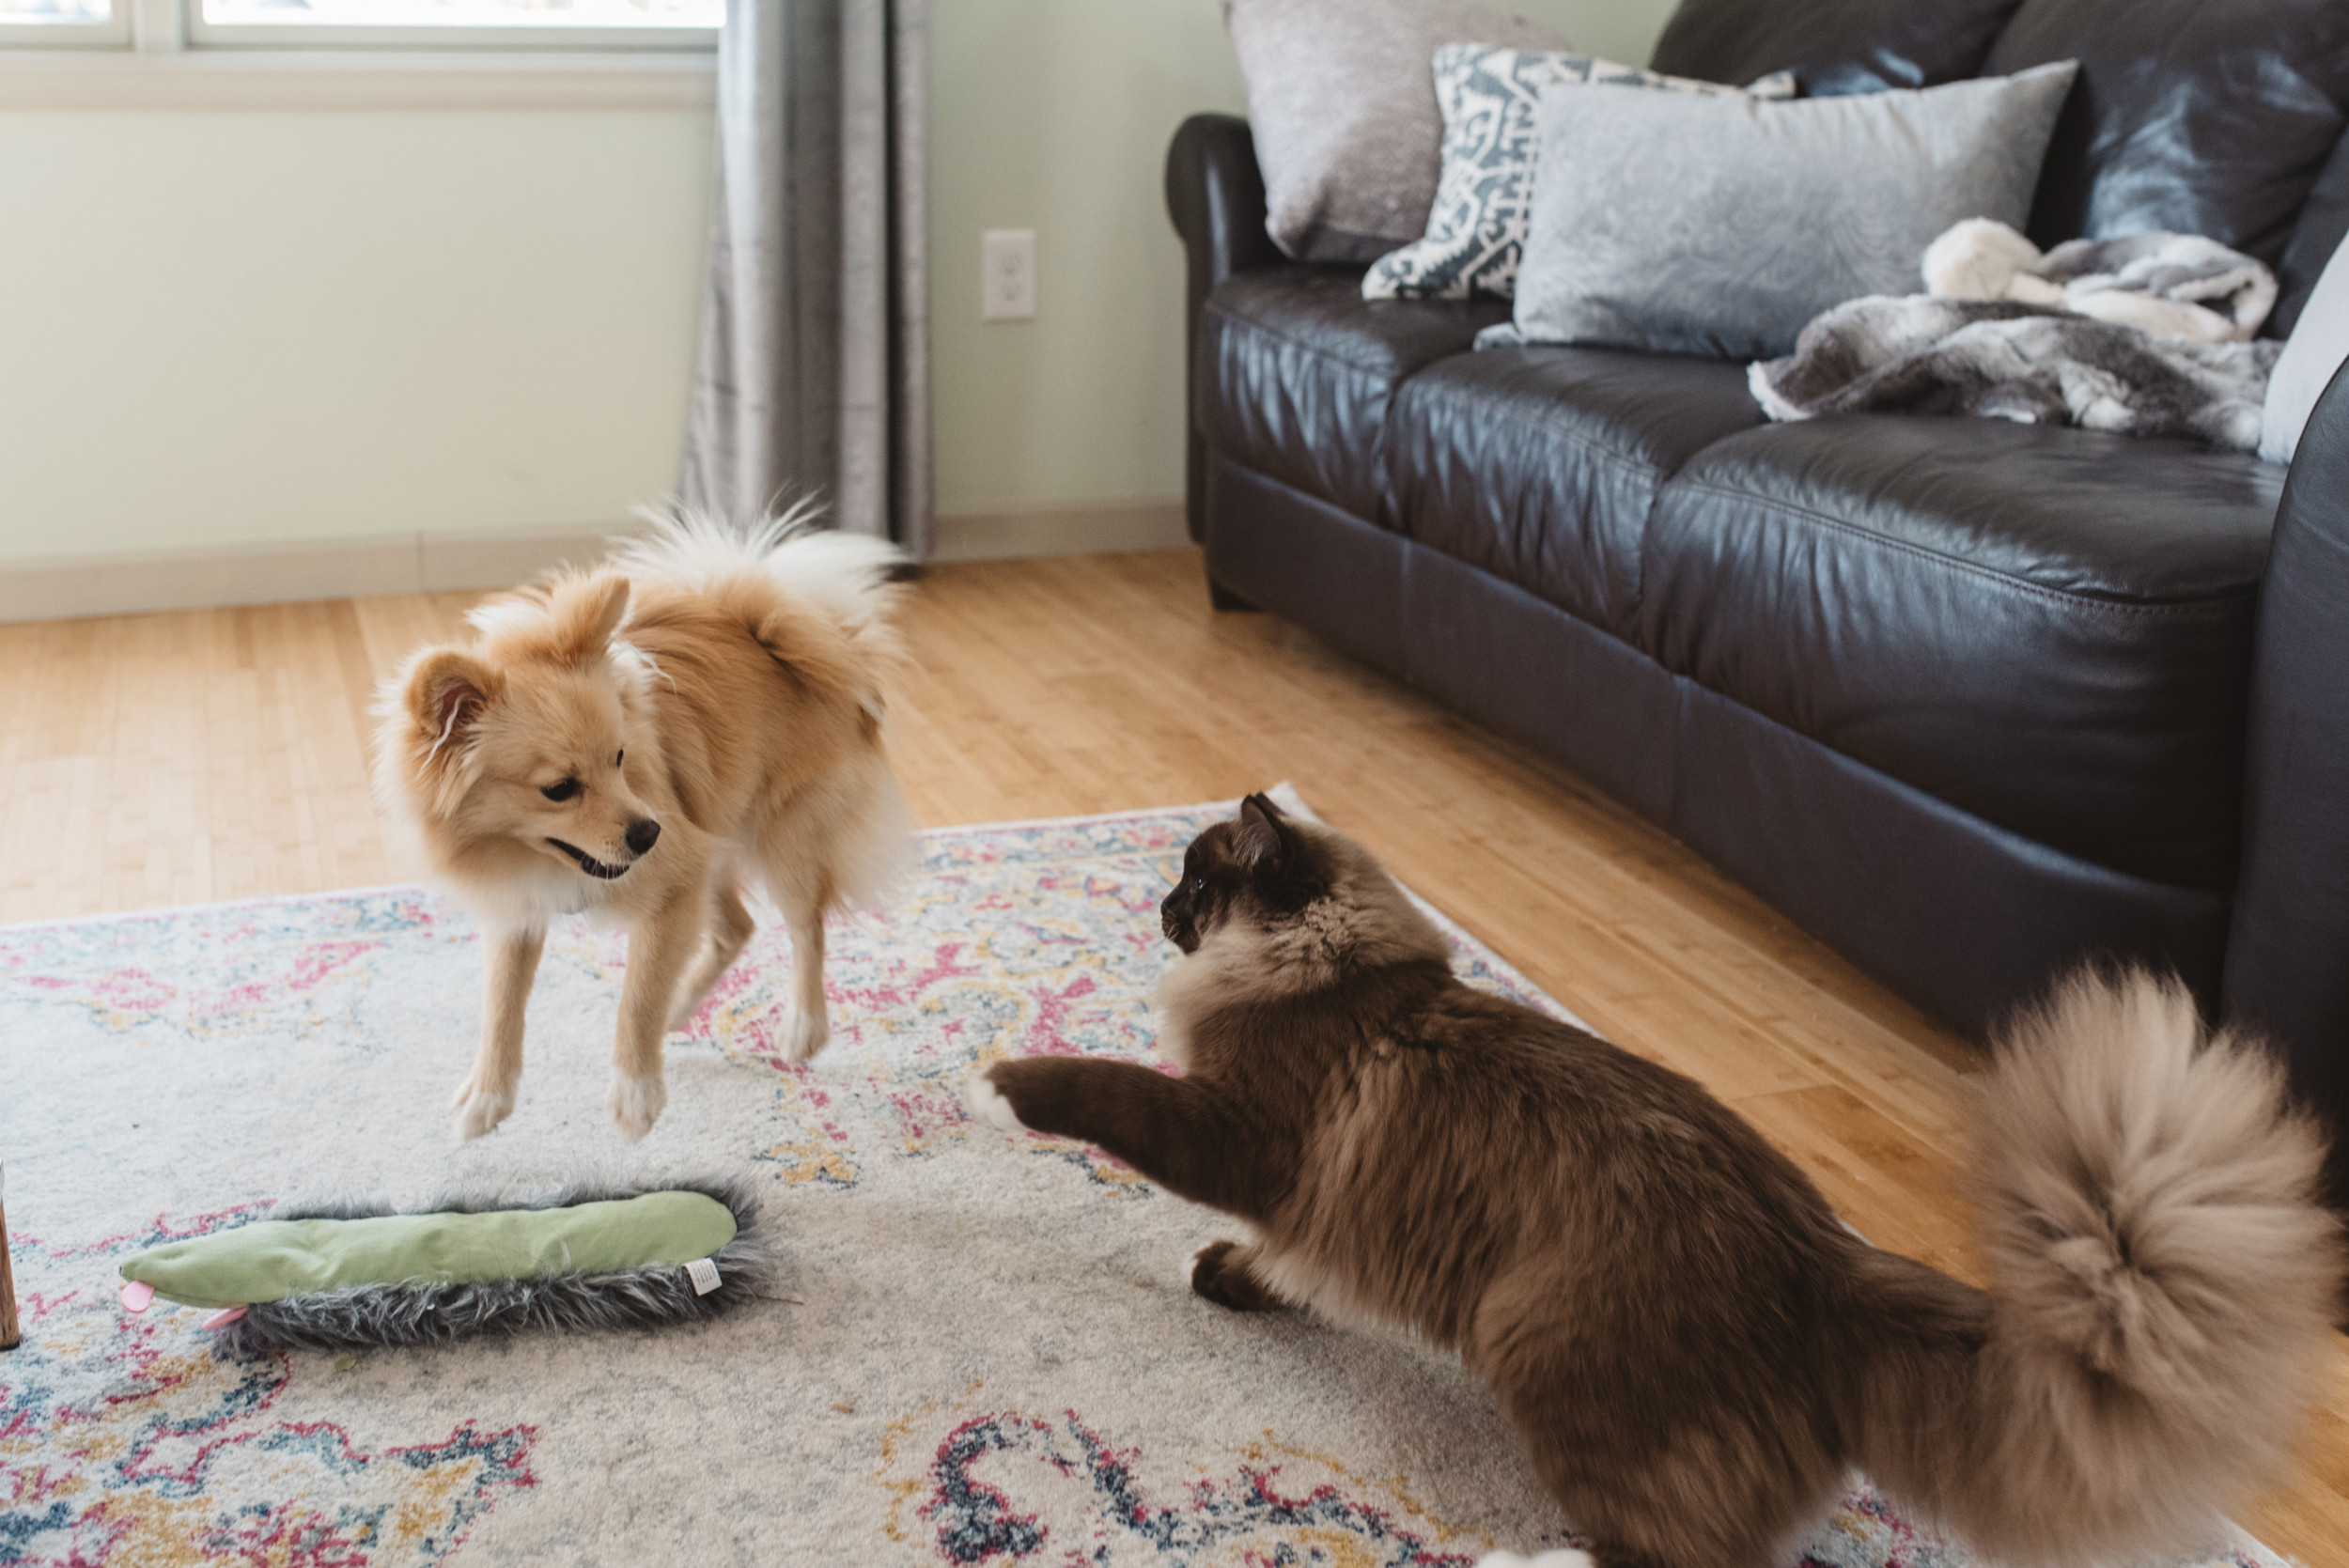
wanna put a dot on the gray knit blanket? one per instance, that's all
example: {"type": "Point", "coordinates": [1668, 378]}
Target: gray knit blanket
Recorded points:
{"type": "Point", "coordinates": [2005, 358]}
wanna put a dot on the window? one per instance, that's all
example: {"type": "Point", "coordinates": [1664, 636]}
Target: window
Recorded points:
{"type": "Point", "coordinates": [51, 12]}
{"type": "Point", "coordinates": [64, 23]}
{"type": "Point", "coordinates": [359, 54]}
{"type": "Point", "coordinates": [490, 24]}
{"type": "Point", "coordinates": [512, 25]}
{"type": "Point", "coordinates": [449, 13]}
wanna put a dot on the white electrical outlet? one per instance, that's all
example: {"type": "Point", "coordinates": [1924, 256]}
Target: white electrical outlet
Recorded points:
{"type": "Point", "coordinates": [1007, 275]}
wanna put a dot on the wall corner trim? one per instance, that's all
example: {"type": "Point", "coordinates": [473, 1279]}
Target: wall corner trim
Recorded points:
{"type": "Point", "coordinates": [1060, 528]}
{"type": "Point", "coordinates": [131, 582]}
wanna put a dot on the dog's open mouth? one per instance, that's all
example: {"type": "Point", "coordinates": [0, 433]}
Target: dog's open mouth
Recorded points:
{"type": "Point", "coordinates": [587, 862]}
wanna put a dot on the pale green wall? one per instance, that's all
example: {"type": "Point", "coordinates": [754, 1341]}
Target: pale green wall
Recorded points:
{"type": "Point", "coordinates": [249, 327]}
{"type": "Point", "coordinates": [263, 327]}
{"type": "Point", "coordinates": [1054, 114]}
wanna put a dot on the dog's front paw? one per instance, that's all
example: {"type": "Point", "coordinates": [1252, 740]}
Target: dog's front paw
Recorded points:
{"type": "Point", "coordinates": [480, 1108]}
{"type": "Point", "coordinates": [637, 1102]}
{"type": "Point", "coordinates": [986, 1103]}
{"type": "Point", "coordinates": [804, 1036]}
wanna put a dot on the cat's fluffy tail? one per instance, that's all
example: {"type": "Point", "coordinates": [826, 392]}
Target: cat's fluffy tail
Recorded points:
{"type": "Point", "coordinates": [2164, 1279]}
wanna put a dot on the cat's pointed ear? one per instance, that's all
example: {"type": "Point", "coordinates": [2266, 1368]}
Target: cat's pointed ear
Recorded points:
{"type": "Point", "coordinates": [1263, 844]}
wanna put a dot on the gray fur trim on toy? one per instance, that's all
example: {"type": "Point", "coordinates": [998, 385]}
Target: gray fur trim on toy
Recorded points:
{"type": "Point", "coordinates": [432, 1313]}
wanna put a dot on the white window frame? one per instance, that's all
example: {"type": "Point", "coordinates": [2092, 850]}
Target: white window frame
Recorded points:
{"type": "Point", "coordinates": [526, 38]}
{"type": "Point", "coordinates": [159, 54]}
{"type": "Point", "coordinates": [112, 33]}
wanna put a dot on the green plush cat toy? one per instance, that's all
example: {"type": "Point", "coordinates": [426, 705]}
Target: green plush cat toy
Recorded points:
{"type": "Point", "coordinates": [351, 1278]}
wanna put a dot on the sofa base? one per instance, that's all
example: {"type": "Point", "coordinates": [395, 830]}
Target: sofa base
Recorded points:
{"type": "Point", "coordinates": [1963, 917]}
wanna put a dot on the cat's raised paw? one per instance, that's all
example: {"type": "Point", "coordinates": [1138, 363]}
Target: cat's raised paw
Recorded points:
{"type": "Point", "coordinates": [985, 1103]}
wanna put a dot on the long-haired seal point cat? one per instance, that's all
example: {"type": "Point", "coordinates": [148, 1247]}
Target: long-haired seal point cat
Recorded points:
{"type": "Point", "coordinates": [1692, 1346]}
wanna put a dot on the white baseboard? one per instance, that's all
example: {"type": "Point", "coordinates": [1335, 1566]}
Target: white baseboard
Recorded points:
{"type": "Point", "coordinates": [1085, 528]}
{"type": "Point", "coordinates": [133, 582]}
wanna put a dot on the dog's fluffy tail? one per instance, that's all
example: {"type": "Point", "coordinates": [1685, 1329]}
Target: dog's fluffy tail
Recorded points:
{"type": "Point", "coordinates": [2165, 1277]}
{"type": "Point", "coordinates": [851, 577]}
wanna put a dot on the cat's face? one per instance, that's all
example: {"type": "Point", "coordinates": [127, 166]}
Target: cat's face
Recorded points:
{"type": "Point", "coordinates": [1254, 869]}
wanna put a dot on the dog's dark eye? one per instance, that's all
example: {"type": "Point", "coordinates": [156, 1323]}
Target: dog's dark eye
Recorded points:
{"type": "Point", "coordinates": [1198, 884]}
{"type": "Point", "coordinates": [563, 791]}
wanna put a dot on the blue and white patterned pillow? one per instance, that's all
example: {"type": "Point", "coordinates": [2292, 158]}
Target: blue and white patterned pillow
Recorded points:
{"type": "Point", "coordinates": [1490, 100]}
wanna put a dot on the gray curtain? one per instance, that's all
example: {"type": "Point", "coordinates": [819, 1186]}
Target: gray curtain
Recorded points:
{"type": "Point", "coordinates": [815, 346]}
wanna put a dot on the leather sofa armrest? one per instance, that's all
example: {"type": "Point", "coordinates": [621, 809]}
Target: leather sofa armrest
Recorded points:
{"type": "Point", "coordinates": [1215, 194]}
{"type": "Point", "coordinates": [2288, 947]}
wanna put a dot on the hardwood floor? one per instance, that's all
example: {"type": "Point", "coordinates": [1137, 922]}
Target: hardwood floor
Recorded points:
{"type": "Point", "coordinates": [177, 758]}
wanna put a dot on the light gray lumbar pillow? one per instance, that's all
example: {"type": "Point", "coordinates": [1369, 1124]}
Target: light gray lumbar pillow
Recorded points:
{"type": "Point", "coordinates": [1343, 104]}
{"type": "Point", "coordinates": [1721, 224]}
{"type": "Point", "coordinates": [1491, 103]}
{"type": "Point", "coordinates": [2312, 355]}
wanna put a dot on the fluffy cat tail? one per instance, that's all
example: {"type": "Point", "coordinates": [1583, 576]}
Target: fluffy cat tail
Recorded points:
{"type": "Point", "coordinates": [2166, 1277]}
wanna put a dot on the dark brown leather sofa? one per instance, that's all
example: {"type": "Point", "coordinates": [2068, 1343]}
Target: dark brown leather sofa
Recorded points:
{"type": "Point", "coordinates": [1970, 700]}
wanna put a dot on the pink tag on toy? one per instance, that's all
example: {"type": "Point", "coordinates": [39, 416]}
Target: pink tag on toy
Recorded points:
{"type": "Point", "coordinates": [137, 1296]}
{"type": "Point", "coordinates": [223, 1317]}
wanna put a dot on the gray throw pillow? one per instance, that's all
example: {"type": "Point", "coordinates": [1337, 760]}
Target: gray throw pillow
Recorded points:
{"type": "Point", "coordinates": [1344, 112]}
{"type": "Point", "coordinates": [1491, 102]}
{"type": "Point", "coordinates": [1721, 225]}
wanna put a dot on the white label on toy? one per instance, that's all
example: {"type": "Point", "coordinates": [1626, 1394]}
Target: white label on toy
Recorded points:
{"type": "Point", "coordinates": [704, 1273]}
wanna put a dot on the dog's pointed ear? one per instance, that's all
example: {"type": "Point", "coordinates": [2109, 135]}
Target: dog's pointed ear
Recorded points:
{"type": "Point", "coordinates": [1263, 844]}
{"type": "Point", "coordinates": [589, 612]}
{"type": "Point", "coordinates": [447, 691]}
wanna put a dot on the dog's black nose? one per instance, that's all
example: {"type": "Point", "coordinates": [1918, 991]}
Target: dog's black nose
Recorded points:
{"type": "Point", "coordinates": [643, 834]}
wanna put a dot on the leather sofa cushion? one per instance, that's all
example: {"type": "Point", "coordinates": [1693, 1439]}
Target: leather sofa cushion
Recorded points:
{"type": "Point", "coordinates": [1539, 464]}
{"type": "Point", "coordinates": [2205, 116]}
{"type": "Point", "coordinates": [2050, 627]}
{"type": "Point", "coordinates": [1295, 370]}
{"type": "Point", "coordinates": [1832, 46]}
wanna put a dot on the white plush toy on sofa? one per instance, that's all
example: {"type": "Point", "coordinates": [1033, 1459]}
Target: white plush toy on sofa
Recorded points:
{"type": "Point", "coordinates": [2170, 285]}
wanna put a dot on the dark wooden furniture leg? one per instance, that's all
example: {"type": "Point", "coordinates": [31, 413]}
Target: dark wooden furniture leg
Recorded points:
{"type": "Point", "coordinates": [11, 1335]}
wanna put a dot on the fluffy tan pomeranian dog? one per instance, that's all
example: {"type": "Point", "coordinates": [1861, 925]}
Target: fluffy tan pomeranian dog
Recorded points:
{"type": "Point", "coordinates": [644, 743]}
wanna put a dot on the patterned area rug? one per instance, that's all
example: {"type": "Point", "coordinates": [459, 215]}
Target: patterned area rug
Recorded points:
{"type": "Point", "coordinates": [980, 1353]}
